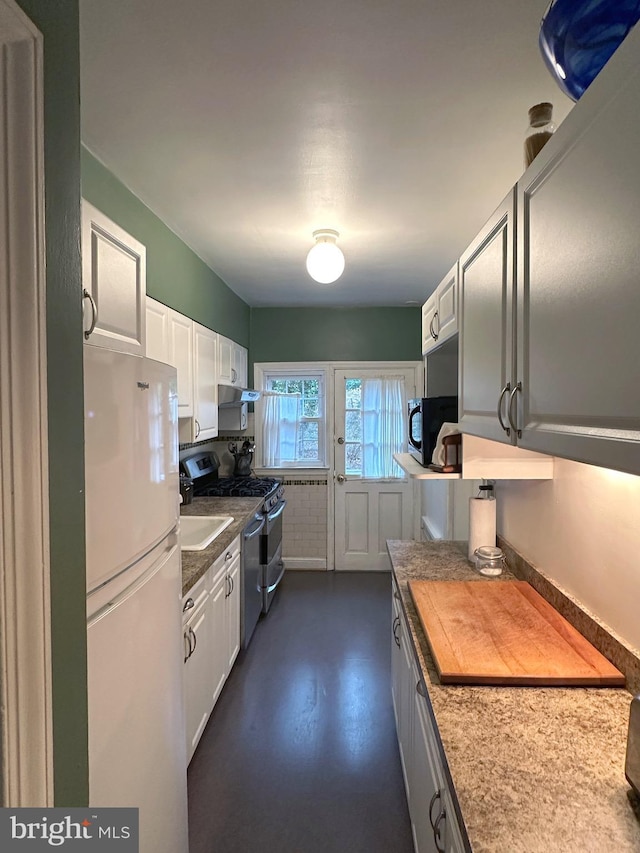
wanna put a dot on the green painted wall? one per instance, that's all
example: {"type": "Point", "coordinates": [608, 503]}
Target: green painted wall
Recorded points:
{"type": "Point", "coordinates": [175, 274]}
{"type": "Point", "coordinates": [335, 334]}
{"type": "Point", "coordinates": [58, 21]}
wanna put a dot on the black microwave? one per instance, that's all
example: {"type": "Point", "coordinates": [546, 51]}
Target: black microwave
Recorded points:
{"type": "Point", "coordinates": [426, 416]}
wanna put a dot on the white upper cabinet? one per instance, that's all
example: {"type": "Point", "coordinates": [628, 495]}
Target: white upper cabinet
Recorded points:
{"type": "Point", "coordinates": [440, 313]}
{"type": "Point", "coordinates": [114, 284]}
{"type": "Point", "coordinates": [225, 360]}
{"type": "Point", "coordinates": [204, 423]}
{"type": "Point", "coordinates": [446, 322]}
{"type": "Point", "coordinates": [428, 333]}
{"type": "Point", "coordinates": [157, 333]}
{"type": "Point", "coordinates": [232, 363]}
{"type": "Point", "coordinates": [194, 351]}
{"type": "Point", "coordinates": [240, 366]}
{"type": "Point", "coordinates": [549, 354]}
{"type": "Point", "coordinates": [487, 352]}
{"type": "Point", "coordinates": [170, 339]}
{"type": "Point", "coordinates": [180, 339]}
{"type": "Point", "coordinates": [578, 278]}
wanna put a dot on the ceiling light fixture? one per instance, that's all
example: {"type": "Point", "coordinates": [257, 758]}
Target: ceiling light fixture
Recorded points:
{"type": "Point", "coordinates": [325, 261]}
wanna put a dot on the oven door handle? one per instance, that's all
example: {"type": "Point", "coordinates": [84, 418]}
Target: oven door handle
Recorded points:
{"type": "Point", "coordinates": [277, 581]}
{"type": "Point", "coordinates": [280, 509]}
{"type": "Point", "coordinates": [258, 529]}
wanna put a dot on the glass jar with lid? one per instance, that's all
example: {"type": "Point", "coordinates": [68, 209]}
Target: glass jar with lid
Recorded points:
{"type": "Point", "coordinates": [489, 560]}
{"type": "Point", "coordinates": [539, 132]}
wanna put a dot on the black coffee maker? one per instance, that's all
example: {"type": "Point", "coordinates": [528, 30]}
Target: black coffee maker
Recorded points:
{"type": "Point", "coordinates": [242, 457]}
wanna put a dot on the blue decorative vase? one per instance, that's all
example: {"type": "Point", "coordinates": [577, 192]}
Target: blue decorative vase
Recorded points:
{"type": "Point", "coordinates": [577, 37]}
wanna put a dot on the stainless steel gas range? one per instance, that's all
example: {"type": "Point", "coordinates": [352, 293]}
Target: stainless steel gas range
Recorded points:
{"type": "Point", "coordinates": [262, 564]}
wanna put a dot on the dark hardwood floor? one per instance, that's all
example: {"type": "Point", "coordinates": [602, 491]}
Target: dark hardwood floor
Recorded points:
{"type": "Point", "coordinates": [300, 754]}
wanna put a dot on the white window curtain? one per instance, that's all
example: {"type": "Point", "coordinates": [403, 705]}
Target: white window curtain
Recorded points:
{"type": "Point", "coordinates": [382, 426]}
{"type": "Point", "coordinates": [281, 415]}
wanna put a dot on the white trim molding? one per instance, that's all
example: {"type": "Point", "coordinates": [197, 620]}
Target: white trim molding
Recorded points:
{"type": "Point", "coordinates": [25, 648]}
{"type": "Point", "coordinates": [316, 564]}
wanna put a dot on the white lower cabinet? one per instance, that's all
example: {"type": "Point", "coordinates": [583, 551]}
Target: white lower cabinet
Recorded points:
{"type": "Point", "coordinates": [233, 610]}
{"type": "Point", "coordinates": [219, 645]}
{"type": "Point", "coordinates": [198, 675]}
{"type": "Point", "coordinates": [211, 619]}
{"type": "Point", "coordinates": [433, 821]}
{"type": "Point", "coordinates": [401, 680]}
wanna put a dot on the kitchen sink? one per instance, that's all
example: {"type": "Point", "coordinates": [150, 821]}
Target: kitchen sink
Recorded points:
{"type": "Point", "coordinates": [198, 531]}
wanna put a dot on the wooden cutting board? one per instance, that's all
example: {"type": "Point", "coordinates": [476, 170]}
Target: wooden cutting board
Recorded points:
{"type": "Point", "coordinates": [504, 632]}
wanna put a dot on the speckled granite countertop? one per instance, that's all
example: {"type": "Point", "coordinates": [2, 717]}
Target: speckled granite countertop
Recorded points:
{"type": "Point", "coordinates": [534, 769]}
{"type": "Point", "coordinates": [196, 563]}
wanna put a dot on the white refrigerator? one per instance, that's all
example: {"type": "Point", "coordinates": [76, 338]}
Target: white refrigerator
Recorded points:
{"type": "Point", "coordinates": [134, 636]}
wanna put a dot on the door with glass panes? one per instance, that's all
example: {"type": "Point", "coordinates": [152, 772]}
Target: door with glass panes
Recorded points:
{"type": "Point", "coordinates": [372, 495]}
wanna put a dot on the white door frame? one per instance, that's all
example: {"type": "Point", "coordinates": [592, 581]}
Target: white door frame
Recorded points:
{"type": "Point", "coordinates": [358, 367]}
{"type": "Point", "coordinates": [25, 646]}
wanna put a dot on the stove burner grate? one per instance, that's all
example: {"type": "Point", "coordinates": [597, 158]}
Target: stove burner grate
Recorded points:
{"type": "Point", "coordinates": [238, 487]}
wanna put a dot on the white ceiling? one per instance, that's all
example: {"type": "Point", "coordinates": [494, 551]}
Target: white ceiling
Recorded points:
{"type": "Point", "coordinates": [245, 125]}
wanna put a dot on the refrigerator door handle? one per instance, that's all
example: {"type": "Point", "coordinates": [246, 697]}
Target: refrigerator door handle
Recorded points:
{"type": "Point", "coordinates": [130, 590]}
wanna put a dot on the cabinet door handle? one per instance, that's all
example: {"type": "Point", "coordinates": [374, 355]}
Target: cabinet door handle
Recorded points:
{"type": "Point", "coordinates": [436, 830]}
{"type": "Point", "coordinates": [512, 397]}
{"type": "Point", "coordinates": [420, 689]}
{"type": "Point", "coordinates": [234, 375]}
{"type": "Point", "coordinates": [94, 313]}
{"type": "Point", "coordinates": [506, 388]}
{"type": "Point", "coordinates": [396, 625]}
{"type": "Point", "coordinates": [436, 797]}
{"type": "Point", "coordinates": [188, 605]}
{"type": "Point", "coordinates": [192, 633]}
{"type": "Point", "coordinates": [431, 332]}
{"type": "Point", "coordinates": [197, 427]}
{"type": "Point", "coordinates": [436, 316]}
{"type": "Point", "coordinates": [187, 640]}
{"type": "Point", "coordinates": [229, 556]}
{"type": "Point", "coordinates": [396, 595]}
{"type": "Point", "coordinates": [233, 584]}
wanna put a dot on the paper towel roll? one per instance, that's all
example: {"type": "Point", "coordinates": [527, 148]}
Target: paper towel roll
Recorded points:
{"type": "Point", "coordinates": [482, 523]}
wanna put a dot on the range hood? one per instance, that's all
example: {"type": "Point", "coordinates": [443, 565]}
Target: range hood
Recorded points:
{"type": "Point", "coordinates": [229, 396]}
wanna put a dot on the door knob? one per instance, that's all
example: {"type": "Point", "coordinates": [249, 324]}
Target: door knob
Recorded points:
{"type": "Point", "coordinates": [341, 440]}
{"type": "Point", "coordinates": [341, 478]}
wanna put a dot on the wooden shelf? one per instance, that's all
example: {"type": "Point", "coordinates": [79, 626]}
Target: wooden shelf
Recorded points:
{"type": "Point", "coordinates": [415, 470]}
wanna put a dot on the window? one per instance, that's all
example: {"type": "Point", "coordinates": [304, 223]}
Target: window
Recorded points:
{"type": "Point", "coordinates": [373, 426]}
{"type": "Point", "coordinates": [291, 419]}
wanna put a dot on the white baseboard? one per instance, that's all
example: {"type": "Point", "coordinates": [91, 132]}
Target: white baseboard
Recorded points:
{"type": "Point", "coordinates": [312, 563]}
